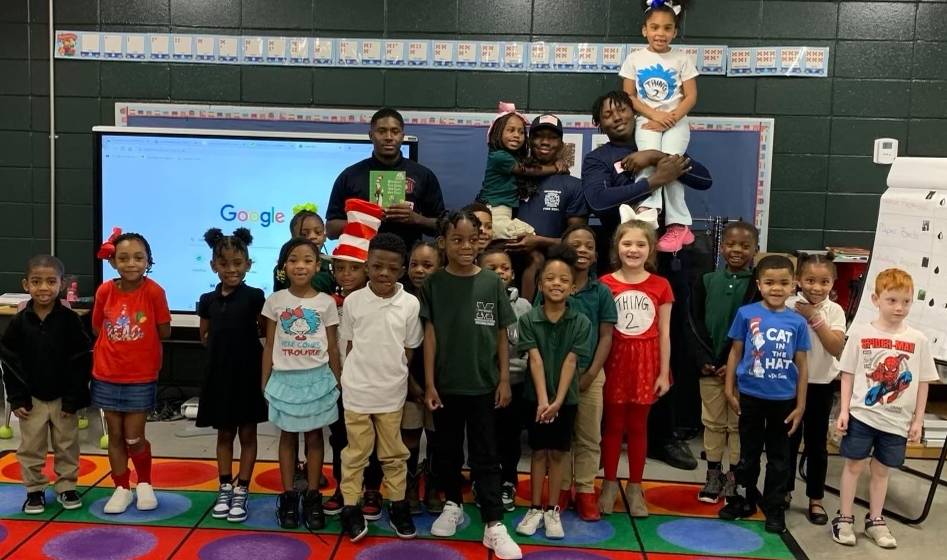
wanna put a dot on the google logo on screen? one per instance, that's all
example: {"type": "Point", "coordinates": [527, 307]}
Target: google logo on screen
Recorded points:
{"type": "Point", "coordinates": [229, 213]}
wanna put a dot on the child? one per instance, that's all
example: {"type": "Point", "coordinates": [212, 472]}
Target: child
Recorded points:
{"type": "Point", "coordinates": [713, 305]}
{"type": "Point", "coordinates": [232, 398]}
{"type": "Point", "coordinates": [424, 260]}
{"type": "Point", "coordinates": [592, 299]}
{"type": "Point", "coordinates": [45, 352]}
{"type": "Point", "coordinates": [466, 371]}
{"type": "Point", "coordinates": [637, 371]}
{"type": "Point", "coordinates": [881, 408]}
{"type": "Point", "coordinates": [767, 365]}
{"type": "Point", "coordinates": [130, 317]}
{"type": "Point", "coordinates": [300, 373]}
{"type": "Point", "coordinates": [308, 224]}
{"type": "Point", "coordinates": [663, 89]}
{"type": "Point", "coordinates": [509, 420]}
{"type": "Point", "coordinates": [348, 268]}
{"type": "Point", "coordinates": [485, 215]}
{"type": "Point", "coordinates": [506, 165]}
{"type": "Point", "coordinates": [382, 326]}
{"type": "Point", "coordinates": [556, 337]}
{"type": "Point", "coordinates": [815, 277]}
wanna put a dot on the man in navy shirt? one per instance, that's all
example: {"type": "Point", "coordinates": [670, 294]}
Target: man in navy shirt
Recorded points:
{"type": "Point", "coordinates": [423, 200]}
{"type": "Point", "coordinates": [557, 204]}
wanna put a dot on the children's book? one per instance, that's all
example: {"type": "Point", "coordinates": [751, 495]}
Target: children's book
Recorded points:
{"type": "Point", "coordinates": [387, 187]}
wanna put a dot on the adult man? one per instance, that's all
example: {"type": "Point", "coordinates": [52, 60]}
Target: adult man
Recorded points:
{"type": "Point", "coordinates": [557, 203]}
{"type": "Point", "coordinates": [413, 218]}
{"type": "Point", "coordinates": [608, 179]}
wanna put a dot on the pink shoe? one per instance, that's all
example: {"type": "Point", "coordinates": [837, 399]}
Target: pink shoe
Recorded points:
{"type": "Point", "coordinates": [675, 238]}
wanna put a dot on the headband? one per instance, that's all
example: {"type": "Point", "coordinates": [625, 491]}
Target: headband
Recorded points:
{"type": "Point", "coordinates": [107, 250]}
{"type": "Point", "coordinates": [309, 206]}
{"type": "Point", "coordinates": [649, 4]}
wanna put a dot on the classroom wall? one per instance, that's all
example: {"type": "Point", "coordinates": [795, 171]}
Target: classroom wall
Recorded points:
{"type": "Point", "coordinates": [888, 78]}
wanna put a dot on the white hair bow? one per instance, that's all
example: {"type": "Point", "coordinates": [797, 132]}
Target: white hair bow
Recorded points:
{"type": "Point", "coordinates": [650, 216]}
{"type": "Point", "coordinates": [649, 4]}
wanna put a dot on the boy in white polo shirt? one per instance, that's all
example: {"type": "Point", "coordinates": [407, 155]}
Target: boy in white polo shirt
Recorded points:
{"type": "Point", "coordinates": [381, 322]}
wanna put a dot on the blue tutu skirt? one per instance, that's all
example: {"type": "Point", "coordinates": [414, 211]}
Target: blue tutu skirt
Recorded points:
{"type": "Point", "coordinates": [302, 400]}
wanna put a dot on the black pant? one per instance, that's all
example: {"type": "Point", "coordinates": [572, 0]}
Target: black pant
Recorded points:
{"type": "Point", "coordinates": [762, 423]}
{"type": "Point", "coordinates": [338, 440]}
{"type": "Point", "coordinates": [474, 416]}
{"type": "Point", "coordinates": [814, 428]}
{"type": "Point", "coordinates": [509, 427]}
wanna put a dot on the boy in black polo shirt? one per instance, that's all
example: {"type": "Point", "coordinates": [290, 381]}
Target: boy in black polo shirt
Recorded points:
{"type": "Point", "coordinates": [46, 360]}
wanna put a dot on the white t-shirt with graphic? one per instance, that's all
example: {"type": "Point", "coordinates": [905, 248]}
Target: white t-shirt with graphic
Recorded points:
{"type": "Point", "coordinates": [300, 342]}
{"type": "Point", "coordinates": [822, 366]}
{"type": "Point", "coordinates": [887, 369]}
{"type": "Point", "coordinates": [659, 77]}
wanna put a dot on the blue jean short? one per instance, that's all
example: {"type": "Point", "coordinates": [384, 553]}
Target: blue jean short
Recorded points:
{"type": "Point", "coordinates": [124, 397]}
{"type": "Point", "coordinates": [861, 439]}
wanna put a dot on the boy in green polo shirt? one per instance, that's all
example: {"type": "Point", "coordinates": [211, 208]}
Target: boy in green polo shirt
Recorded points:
{"type": "Point", "coordinates": [714, 303]}
{"type": "Point", "coordinates": [556, 337]}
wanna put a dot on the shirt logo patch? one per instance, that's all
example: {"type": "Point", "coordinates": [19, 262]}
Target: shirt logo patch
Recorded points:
{"type": "Point", "coordinates": [657, 83]}
{"type": "Point", "coordinates": [551, 200]}
{"type": "Point", "coordinates": [485, 314]}
{"type": "Point", "coordinates": [636, 313]}
{"type": "Point", "coordinates": [408, 185]}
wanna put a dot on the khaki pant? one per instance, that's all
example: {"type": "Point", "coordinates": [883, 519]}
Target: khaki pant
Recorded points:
{"type": "Point", "coordinates": [46, 421]}
{"type": "Point", "coordinates": [363, 431]}
{"type": "Point", "coordinates": [721, 423]}
{"type": "Point", "coordinates": [583, 461]}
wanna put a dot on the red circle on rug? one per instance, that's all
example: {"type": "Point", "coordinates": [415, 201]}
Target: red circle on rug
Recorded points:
{"type": "Point", "coordinates": [177, 474]}
{"type": "Point", "coordinates": [681, 499]}
{"type": "Point", "coordinates": [524, 489]}
{"type": "Point", "coordinates": [271, 479]}
{"type": "Point", "coordinates": [12, 471]}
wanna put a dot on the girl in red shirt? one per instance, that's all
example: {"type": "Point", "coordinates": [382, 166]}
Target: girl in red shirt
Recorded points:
{"type": "Point", "coordinates": [637, 370]}
{"type": "Point", "coordinates": [130, 317]}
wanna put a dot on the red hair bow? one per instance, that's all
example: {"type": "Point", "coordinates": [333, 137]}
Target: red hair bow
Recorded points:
{"type": "Point", "coordinates": [107, 250]}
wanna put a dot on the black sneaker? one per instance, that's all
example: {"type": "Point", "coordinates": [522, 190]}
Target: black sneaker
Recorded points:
{"type": "Point", "coordinates": [508, 496]}
{"type": "Point", "coordinates": [675, 453]}
{"type": "Point", "coordinates": [287, 511]}
{"type": "Point", "coordinates": [737, 508]}
{"type": "Point", "coordinates": [411, 494]}
{"type": "Point", "coordinates": [69, 500]}
{"type": "Point", "coordinates": [35, 503]}
{"type": "Point", "coordinates": [713, 488]}
{"type": "Point", "coordinates": [300, 481]}
{"type": "Point", "coordinates": [399, 518]}
{"type": "Point", "coordinates": [353, 523]}
{"type": "Point", "coordinates": [313, 516]}
{"type": "Point", "coordinates": [371, 505]}
{"type": "Point", "coordinates": [333, 505]}
{"type": "Point", "coordinates": [776, 521]}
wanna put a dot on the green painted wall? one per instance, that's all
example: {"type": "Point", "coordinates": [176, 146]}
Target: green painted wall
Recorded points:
{"type": "Point", "coordinates": [888, 78]}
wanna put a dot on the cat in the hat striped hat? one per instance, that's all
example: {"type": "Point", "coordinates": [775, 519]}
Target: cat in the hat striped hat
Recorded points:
{"type": "Point", "coordinates": [349, 256]}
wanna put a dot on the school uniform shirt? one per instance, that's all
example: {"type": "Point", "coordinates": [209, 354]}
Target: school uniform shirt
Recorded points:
{"type": "Point", "coordinates": [375, 376]}
{"type": "Point", "coordinates": [659, 77]}
{"type": "Point", "coordinates": [823, 367]}
{"type": "Point", "coordinates": [128, 348]}
{"type": "Point", "coordinates": [47, 359]}
{"type": "Point", "coordinates": [555, 341]}
{"type": "Point", "coordinates": [594, 301]}
{"type": "Point", "coordinates": [557, 198]}
{"type": "Point", "coordinates": [467, 313]}
{"type": "Point", "coordinates": [422, 190]}
{"type": "Point", "coordinates": [300, 342]}
{"type": "Point", "coordinates": [499, 184]}
{"type": "Point", "coordinates": [770, 342]}
{"type": "Point", "coordinates": [888, 368]}
{"type": "Point", "coordinates": [713, 305]}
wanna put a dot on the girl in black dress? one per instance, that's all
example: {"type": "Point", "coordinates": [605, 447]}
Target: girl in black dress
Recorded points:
{"type": "Point", "coordinates": [232, 396]}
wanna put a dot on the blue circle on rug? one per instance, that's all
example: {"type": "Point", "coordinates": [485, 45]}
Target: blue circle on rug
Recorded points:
{"type": "Point", "coordinates": [710, 536]}
{"type": "Point", "coordinates": [261, 512]}
{"type": "Point", "coordinates": [422, 523]}
{"type": "Point", "coordinates": [409, 550]}
{"type": "Point", "coordinates": [12, 497]}
{"type": "Point", "coordinates": [3, 533]}
{"type": "Point", "coordinates": [101, 543]}
{"type": "Point", "coordinates": [271, 547]}
{"type": "Point", "coordinates": [577, 532]}
{"type": "Point", "coordinates": [563, 555]}
{"type": "Point", "coordinates": [169, 505]}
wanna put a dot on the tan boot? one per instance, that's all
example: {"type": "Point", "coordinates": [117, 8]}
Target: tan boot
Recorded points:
{"type": "Point", "coordinates": [636, 501]}
{"type": "Point", "coordinates": [606, 499]}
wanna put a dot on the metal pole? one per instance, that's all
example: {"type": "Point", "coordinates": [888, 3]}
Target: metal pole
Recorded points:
{"type": "Point", "coordinates": [52, 134]}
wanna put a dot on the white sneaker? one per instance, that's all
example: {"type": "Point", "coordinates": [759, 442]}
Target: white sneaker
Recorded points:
{"type": "Point", "coordinates": [120, 500]}
{"type": "Point", "coordinates": [530, 522]}
{"type": "Point", "coordinates": [447, 522]}
{"type": "Point", "coordinates": [238, 506]}
{"type": "Point", "coordinates": [145, 497]}
{"type": "Point", "coordinates": [553, 524]}
{"type": "Point", "coordinates": [222, 505]}
{"type": "Point", "coordinates": [497, 539]}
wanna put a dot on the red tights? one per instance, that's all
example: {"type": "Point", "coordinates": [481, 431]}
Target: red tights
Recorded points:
{"type": "Point", "coordinates": [621, 419]}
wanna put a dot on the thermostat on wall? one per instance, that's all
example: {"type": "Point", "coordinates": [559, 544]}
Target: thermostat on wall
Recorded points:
{"type": "Point", "coordinates": [886, 150]}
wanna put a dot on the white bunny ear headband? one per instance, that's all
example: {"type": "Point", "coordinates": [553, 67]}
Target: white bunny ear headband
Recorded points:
{"type": "Point", "coordinates": [649, 4]}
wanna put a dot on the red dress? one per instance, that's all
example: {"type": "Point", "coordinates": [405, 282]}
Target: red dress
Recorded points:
{"type": "Point", "coordinates": [634, 360]}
